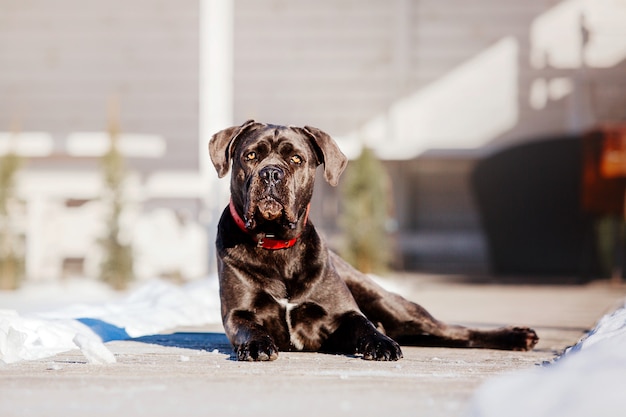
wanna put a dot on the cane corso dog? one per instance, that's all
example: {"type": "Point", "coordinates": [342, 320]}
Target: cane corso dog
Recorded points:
{"type": "Point", "coordinates": [281, 288]}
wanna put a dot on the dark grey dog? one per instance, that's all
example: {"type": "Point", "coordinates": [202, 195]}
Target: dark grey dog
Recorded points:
{"type": "Point", "coordinates": [281, 288]}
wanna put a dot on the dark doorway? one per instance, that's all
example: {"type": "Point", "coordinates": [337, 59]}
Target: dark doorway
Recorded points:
{"type": "Point", "coordinates": [529, 197]}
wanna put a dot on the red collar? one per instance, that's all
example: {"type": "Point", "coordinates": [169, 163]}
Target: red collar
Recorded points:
{"type": "Point", "coordinates": [267, 241]}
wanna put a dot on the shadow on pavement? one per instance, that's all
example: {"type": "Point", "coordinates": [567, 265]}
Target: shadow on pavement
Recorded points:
{"type": "Point", "coordinates": [105, 330]}
{"type": "Point", "coordinates": [190, 340]}
{"type": "Point", "coordinates": [186, 340]}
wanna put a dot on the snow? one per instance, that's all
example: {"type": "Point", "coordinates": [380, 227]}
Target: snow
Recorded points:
{"type": "Point", "coordinates": [94, 350]}
{"type": "Point", "coordinates": [152, 308]}
{"type": "Point", "coordinates": [587, 380]}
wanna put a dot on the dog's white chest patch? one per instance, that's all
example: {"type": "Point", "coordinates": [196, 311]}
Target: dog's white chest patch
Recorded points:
{"type": "Point", "coordinates": [293, 337]}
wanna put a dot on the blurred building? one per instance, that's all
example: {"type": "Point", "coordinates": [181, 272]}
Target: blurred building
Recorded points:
{"type": "Point", "coordinates": [70, 72]}
{"type": "Point", "coordinates": [477, 107]}
{"type": "Point", "coordinates": [451, 94]}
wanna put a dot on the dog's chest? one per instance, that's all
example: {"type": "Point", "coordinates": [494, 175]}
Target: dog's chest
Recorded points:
{"type": "Point", "coordinates": [303, 324]}
{"type": "Point", "coordinates": [295, 338]}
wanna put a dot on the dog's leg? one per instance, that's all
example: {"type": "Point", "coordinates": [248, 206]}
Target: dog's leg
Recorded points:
{"type": "Point", "coordinates": [250, 340]}
{"type": "Point", "coordinates": [356, 334]}
{"type": "Point", "coordinates": [246, 330]}
{"type": "Point", "coordinates": [410, 324]}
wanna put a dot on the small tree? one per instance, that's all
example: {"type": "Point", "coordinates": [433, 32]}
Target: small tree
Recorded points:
{"type": "Point", "coordinates": [365, 214]}
{"type": "Point", "coordinates": [11, 252]}
{"type": "Point", "coordinates": [117, 266]}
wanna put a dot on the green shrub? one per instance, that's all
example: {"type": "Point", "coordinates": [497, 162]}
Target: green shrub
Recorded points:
{"type": "Point", "coordinates": [116, 268]}
{"type": "Point", "coordinates": [365, 196]}
{"type": "Point", "coordinates": [11, 245]}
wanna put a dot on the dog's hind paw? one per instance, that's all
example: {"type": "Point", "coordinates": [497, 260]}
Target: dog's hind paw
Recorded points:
{"type": "Point", "coordinates": [257, 350]}
{"type": "Point", "coordinates": [378, 347]}
{"type": "Point", "coordinates": [523, 338]}
{"type": "Point", "coordinates": [507, 338]}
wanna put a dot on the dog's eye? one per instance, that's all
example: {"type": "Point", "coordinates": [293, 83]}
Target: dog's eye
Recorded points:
{"type": "Point", "coordinates": [250, 156]}
{"type": "Point", "coordinates": [296, 159]}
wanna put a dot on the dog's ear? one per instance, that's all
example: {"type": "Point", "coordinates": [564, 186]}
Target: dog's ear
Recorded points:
{"type": "Point", "coordinates": [328, 153]}
{"type": "Point", "coordinates": [221, 146]}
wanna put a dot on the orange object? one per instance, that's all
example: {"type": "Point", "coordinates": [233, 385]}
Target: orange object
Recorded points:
{"type": "Point", "coordinates": [613, 157]}
{"type": "Point", "coordinates": [604, 169]}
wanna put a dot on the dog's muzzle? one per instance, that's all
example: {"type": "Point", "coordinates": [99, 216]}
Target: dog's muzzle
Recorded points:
{"type": "Point", "coordinates": [272, 175]}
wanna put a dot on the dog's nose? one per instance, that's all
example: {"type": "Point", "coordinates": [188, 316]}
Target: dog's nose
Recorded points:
{"type": "Point", "coordinates": [272, 174]}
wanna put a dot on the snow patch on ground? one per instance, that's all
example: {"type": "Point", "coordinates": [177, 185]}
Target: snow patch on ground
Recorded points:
{"type": "Point", "coordinates": [152, 308]}
{"type": "Point", "coordinates": [587, 380]}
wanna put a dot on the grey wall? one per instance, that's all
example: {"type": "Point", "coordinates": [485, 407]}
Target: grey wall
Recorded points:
{"type": "Point", "coordinates": [61, 61]}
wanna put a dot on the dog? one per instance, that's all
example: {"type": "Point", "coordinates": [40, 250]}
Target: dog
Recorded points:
{"type": "Point", "coordinates": [281, 288]}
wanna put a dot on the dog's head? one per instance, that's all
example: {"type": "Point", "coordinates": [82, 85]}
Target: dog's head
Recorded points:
{"type": "Point", "coordinates": [274, 170]}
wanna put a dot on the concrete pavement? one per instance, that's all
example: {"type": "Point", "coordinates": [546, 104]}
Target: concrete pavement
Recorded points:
{"type": "Point", "coordinates": [190, 372]}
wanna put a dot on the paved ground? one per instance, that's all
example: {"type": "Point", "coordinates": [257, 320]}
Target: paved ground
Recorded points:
{"type": "Point", "coordinates": [190, 372]}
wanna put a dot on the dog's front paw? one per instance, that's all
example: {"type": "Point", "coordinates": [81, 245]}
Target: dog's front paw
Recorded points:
{"type": "Point", "coordinates": [262, 349]}
{"type": "Point", "coordinates": [378, 347]}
